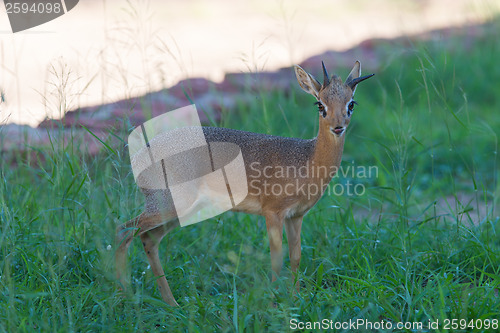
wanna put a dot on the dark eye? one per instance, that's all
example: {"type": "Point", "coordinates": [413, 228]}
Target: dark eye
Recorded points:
{"type": "Point", "coordinates": [320, 105]}
{"type": "Point", "coordinates": [321, 108]}
{"type": "Point", "coordinates": [350, 107]}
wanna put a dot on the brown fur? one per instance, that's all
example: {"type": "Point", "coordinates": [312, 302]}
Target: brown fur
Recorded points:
{"type": "Point", "coordinates": [259, 151]}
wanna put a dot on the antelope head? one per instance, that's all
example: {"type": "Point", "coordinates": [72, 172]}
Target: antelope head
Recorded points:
{"type": "Point", "coordinates": [334, 97]}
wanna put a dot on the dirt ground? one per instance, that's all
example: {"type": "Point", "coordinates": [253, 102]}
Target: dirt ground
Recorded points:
{"type": "Point", "coordinates": [102, 51]}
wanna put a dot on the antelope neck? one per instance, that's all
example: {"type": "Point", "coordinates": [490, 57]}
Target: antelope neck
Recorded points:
{"type": "Point", "coordinates": [327, 148]}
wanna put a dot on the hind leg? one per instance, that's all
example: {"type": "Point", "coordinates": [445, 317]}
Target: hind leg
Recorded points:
{"type": "Point", "coordinates": [124, 235]}
{"type": "Point", "coordinates": [151, 240]}
{"type": "Point", "coordinates": [151, 228]}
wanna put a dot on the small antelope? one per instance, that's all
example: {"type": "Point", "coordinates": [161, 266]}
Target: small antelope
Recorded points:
{"type": "Point", "coordinates": [281, 185]}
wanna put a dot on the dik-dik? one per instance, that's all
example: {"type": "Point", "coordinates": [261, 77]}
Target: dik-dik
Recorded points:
{"type": "Point", "coordinates": [264, 155]}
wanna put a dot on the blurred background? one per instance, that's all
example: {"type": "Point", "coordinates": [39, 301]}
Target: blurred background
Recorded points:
{"type": "Point", "coordinates": [419, 244]}
{"type": "Point", "coordinates": [103, 51]}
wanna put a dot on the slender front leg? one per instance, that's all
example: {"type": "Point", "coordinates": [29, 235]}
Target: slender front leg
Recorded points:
{"type": "Point", "coordinates": [151, 240]}
{"type": "Point", "coordinates": [293, 227]}
{"type": "Point", "coordinates": [274, 225]}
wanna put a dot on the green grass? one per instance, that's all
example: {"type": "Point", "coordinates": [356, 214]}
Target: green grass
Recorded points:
{"type": "Point", "coordinates": [420, 244]}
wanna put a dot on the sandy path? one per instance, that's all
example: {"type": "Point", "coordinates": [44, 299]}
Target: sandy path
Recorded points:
{"type": "Point", "coordinates": [103, 51]}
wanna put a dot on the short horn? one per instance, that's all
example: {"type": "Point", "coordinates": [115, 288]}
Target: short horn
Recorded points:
{"type": "Point", "coordinates": [354, 82]}
{"type": "Point", "coordinates": [326, 80]}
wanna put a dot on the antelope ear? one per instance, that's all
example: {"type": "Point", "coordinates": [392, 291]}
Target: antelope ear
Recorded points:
{"type": "Point", "coordinates": [307, 82]}
{"type": "Point", "coordinates": [355, 72]}
{"type": "Point", "coordinates": [354, 77]}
